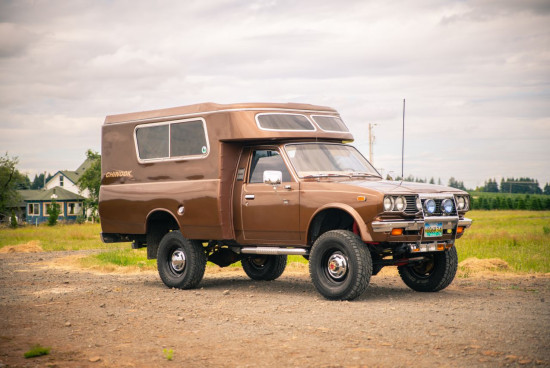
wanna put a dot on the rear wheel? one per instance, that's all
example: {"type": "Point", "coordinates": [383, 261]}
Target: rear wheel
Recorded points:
{"type": "Point", "coordinates": [264, 267]}
{"type": "Point", "coordinates": [181, 262]}
{"type": "Point", "coordinates": [434, 274]}
{"type": "Point", "coordinates": [340, 265]}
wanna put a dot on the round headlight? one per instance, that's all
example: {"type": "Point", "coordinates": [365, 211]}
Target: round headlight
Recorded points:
{"type": "Point", "coordinates": [400, 204]}
{"type": "Point", "coordinates": [429, 205]}
{"type": "Point", "coordinates": [388, 203]}
{"type": "Point", "coordinates": [447, 205]}
{"type": "Point", "coordinates": [418, 204]}
{"type": "Point", "coordinates": [461, 203]}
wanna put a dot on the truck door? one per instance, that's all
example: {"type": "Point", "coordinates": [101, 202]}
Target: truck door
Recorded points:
{"type": "Point", "coordinates": [269, 212]}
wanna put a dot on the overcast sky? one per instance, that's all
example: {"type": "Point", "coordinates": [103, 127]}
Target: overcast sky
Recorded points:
{"type": "Point", "coordinates": [475, 74]}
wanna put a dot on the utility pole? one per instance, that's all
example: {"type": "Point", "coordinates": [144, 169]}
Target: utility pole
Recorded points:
{"type": "Point", "coordinates": [371, 142]}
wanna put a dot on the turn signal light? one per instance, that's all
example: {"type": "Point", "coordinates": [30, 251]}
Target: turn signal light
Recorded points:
{"type": "Point", "coordinates": [441, 246]}
{"type": "Point", "coordinates": [460, 229]}
{"type": "Point", "coordinates": [397, 232]}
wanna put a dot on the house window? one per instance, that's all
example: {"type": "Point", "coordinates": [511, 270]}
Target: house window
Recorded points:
{"type": "Point", "coordinates": [47, 206]}
{"type": "Point", "coordinates": [61, 180]}
{"type": "Point", "coordinates": [34, 209]}
{"type": "Point", "coordinates": [74, 208]}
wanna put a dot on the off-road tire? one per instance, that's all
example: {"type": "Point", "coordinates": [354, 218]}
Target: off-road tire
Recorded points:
{"type": "Point", "coordinates": [432, 275]}
{"type": "Point", "coordinates": [346, 244]}
{"type": "Point", "coordinates": [182, 275]}
{"type": "Point", "coordinates": [264, 267]}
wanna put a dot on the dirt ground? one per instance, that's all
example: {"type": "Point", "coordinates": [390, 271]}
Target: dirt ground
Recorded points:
{"type": "Point", "coordinates": [133, 320]}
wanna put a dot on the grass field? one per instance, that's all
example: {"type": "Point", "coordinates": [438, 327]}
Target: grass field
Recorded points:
{"type": "Point", "coordinates": [59, 237]}
{"type": "Point", "coordinates": [521, 238]}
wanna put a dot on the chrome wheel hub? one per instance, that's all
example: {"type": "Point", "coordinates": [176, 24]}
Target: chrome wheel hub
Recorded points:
{"type": "Point", "coordinates": [178, 261]}
{"type": "Point", "coordinates": [337, 266]}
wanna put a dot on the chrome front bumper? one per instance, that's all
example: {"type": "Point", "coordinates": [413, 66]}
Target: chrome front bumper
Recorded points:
{"type": "Point", "coordinates": [415, 225]}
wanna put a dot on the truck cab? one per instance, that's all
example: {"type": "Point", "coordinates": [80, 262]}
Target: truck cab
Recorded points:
{"type": "Point", "coordinates": [257, 182]}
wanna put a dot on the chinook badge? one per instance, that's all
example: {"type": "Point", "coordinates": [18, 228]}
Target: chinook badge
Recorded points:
{"type": "Point", "coordinates": [119, 174]}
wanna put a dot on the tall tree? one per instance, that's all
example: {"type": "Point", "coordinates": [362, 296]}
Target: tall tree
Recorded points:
{"type": "Point", "coordinates": [491, 186]}
{"type": "Point", "coordinates": [10, 178]}
{"type": "Point", "coordinates": [456, 184]}
{"type": "Point", "coordinates": [91, 179]}
{"type": "Point", "coordinates": [38, 181]}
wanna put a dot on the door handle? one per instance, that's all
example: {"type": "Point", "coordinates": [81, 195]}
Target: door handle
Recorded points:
{"type": "Point", "coordinates": [249, 196]}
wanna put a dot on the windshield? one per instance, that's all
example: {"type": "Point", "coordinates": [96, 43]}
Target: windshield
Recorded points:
{"type": "Point", "coordinates": [325, 159]}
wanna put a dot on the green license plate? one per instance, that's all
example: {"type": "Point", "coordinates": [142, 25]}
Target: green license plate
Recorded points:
{"type": "Point", "coordinates": [433, 229]}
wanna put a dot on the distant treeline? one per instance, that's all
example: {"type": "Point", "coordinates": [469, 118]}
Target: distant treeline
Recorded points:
{"type": "Point", "coordinates": [510, 185]}
{"type": "Point", "coordinates": [511, 194]}
{"type": "Point", "coordinates": [513, 185]}
{"type": "Point", "coordinates": [503, 201]}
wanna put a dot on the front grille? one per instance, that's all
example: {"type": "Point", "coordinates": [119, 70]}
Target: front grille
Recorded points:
{"type": "Point", "coordinates": [438, 211]}
{"type": "Point", "coordinates": [411, 205]}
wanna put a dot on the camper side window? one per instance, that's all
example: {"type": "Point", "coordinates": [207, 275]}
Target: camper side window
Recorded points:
{"type": "Point", "coordinates": [187, 139]}
{"type": "Point", "coordinates": [152, 141]}
{"type": "Point", "coordinates": [172, 140]}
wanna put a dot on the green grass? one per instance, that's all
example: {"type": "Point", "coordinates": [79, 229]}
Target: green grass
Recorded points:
{"type": "Point", "coordinates": [59, 237]}
{"type": "Point", "coordinates": [168, 354]}
{"type": "Point", "coordinates": [126, 257]}
{"type": "Point", "coordinates": [521, 238]}
{"type": "Point", "coordinates": [37, 351]}
{"type": "Point", "coordinates": [518, 237]}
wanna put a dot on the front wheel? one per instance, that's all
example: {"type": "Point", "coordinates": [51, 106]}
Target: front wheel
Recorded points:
{"type": "Point", "coordinates": [181, 262]}
{"type": "Point", "coordinates": [434, 274]}
{"type": "Point", "coordinates": [340, 265]}
{"type": "Point", "coordinates": [264, 267]}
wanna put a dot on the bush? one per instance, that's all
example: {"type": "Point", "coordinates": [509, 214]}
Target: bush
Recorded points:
{"type": "Point", "coordinates": [13, 220]}
{"type": "Point", "coordinates": [53, 213]}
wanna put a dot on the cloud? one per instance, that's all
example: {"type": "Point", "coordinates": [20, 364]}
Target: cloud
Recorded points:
{"type": "Point", "coordinates": [475, 73]}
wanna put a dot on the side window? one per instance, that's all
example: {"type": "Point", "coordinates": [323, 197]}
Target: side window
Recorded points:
{"type": "Point", "coordinates": [172, 140]}
{"type": "Point", "coordinates": [263, 160]}
{"type": "Point", "coordinates": [152, 142]}
{"type": "Point", "coordinates": [187, 139]}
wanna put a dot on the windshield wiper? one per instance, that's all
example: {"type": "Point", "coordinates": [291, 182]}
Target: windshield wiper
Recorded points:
{"type": "Point", "coordinates": [351, 174]}
{"type": "Point", "coordinates": [325, 176]}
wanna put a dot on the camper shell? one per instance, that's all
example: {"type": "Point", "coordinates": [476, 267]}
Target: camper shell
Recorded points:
{"type": "Point", "coordinates": [240, 182]}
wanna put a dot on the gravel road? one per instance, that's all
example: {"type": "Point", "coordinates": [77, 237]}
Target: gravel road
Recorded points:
{"type": "Point", "coordinates": [133, 320]}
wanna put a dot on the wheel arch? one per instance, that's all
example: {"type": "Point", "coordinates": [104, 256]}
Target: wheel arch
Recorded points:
{"type": "Point", "coordinates": [158, 223]}
{"type": "Point", "coordinates": [318, 222]}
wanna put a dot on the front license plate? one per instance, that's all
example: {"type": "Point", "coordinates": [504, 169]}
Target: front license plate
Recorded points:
{"type": "Point", "coordinates": [433, 229]}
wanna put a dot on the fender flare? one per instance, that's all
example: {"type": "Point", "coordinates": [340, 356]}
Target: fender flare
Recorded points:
{"type": "Point", "coordinates": [155, 210]}
{"type": "Point", "coordinates": [363, 230]}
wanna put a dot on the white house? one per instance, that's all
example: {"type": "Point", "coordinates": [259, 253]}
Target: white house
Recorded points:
{"type": "Point", "coordinates": [68, 180]}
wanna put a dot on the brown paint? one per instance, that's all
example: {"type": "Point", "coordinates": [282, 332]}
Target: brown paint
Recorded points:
{"type": "Point", "coordinates": [213, 198]}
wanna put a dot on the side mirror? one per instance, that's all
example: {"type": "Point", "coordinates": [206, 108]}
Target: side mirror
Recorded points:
{"type": "Point", "coordinates": [273, 177]}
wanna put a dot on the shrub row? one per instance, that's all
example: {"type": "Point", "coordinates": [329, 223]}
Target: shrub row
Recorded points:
{"type": "Point", "coordinates": [482, 201]}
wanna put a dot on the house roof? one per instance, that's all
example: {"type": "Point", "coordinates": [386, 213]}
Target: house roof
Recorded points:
{"type": "Point", "coordinates": [71, 175]}
{"type": "Point", "coordinates": [46, 195]}
{"type": "Point", "coordinates": [83, 167]}
{"type": "Point", "coordinates": [75, 175]}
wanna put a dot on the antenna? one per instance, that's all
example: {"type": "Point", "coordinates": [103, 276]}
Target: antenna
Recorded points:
{"type": "Point", "coordinates": [403, 144]}
{"type": "Point", "coordinates": [371, 142]}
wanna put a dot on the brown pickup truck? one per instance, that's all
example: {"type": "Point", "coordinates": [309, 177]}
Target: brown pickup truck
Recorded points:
{"type": "Point", "coordinates": [257, 182]}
